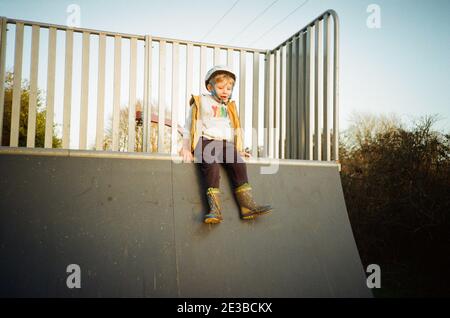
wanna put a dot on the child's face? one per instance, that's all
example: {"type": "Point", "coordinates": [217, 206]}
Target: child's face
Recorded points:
{"type": "Point", "coordinates": [223, 90]}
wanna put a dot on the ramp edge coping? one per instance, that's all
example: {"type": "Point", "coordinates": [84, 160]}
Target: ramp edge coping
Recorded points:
{"type": "Point", "coordinates": [152, 156]}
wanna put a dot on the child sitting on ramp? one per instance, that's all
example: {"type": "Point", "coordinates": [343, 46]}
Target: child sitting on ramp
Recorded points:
{"type": "Point", "coordinates": [212, 135]}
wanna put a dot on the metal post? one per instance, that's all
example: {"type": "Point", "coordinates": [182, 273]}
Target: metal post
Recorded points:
{"type": "Point", "coordinates": [147, 93]}
{"type": "Point", "coordinates": [3, 26]}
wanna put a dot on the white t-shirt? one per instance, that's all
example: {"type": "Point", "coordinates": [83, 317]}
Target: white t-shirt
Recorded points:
{"type": "Point", "coordinates": [214, 118]}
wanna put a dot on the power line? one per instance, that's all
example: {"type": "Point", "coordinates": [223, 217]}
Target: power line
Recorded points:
{"type": "Point", "coordinates": [257, 17]}
{"type": "Point", "coordinates": [281, 21]}
{"type": "Point", "coordinates": [220, 20]}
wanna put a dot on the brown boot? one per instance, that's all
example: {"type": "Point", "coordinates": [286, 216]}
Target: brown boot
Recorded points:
{"type": "Point", "coordinates": [215, 214]}
{"type": "Point", "coordinates": [249, 209]}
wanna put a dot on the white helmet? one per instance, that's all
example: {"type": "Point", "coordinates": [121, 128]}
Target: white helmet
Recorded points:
{"type": "Point", "coordinates": [216, 69]}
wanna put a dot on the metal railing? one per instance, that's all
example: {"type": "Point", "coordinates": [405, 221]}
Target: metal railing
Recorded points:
{"type": "Point", "coordinates": [300, 104]}
{"type": "Point", "coordinates": [302, 100]}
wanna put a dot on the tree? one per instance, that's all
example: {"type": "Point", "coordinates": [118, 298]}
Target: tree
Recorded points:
{"type": "Point", "coordinates": [396, 182]}
{"type": "Point", "coordinates": [23, 121]}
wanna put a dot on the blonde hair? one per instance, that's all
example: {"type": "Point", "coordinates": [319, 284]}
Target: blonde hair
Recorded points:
{"type": "Point", "coordinates": [220, 77]}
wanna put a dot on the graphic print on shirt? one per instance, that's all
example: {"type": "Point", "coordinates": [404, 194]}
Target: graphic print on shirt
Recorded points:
{"type": "Point", "coordinates": [219, 111]}
{"type": "Point", "coordinates": [213, 118]}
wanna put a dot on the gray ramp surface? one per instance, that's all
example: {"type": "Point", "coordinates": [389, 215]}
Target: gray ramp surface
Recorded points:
{"type": "Point", "coordinates": [134, 226]}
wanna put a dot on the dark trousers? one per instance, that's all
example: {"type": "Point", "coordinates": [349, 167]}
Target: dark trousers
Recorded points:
{"type": "Point", "coordinates": [208, 154]}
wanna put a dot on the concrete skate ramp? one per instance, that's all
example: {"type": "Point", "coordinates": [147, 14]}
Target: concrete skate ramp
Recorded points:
{"type": "Point", "coordinates": [134, 226]}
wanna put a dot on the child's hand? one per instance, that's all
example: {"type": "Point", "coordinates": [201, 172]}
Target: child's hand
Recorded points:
{"type": "Point", "coordinates": [245, 154]}
{"type": "Point", "coordinates": [186, 154]}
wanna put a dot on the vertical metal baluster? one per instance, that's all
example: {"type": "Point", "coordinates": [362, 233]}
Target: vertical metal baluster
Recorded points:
{"type": "Point", "coordinates": [276, 97]}
{"type": "Point", "coordinates": [255, 108]}
{"type": "Point", "coordinates": [117, 93]}
{"type": "Point", "coordinates": [242, 84]}
{"type": "Point", "coordinates": [99, 136]}
{"type": "Point", "coordinates": [84, 91]}
{"type": "Point", "coordinates": [132, 96]}
{"type": "Point", "coordinates": [288, 101]}
{"type": "Point", "coordinates": [3, 26]}
{"type": "Point", "coordinates": [301, 118]}
{"type": "Point", "coordinates": [147, 93]}
{"type": "Point", "coordinates": [294, 98]}
{"type": "Point", "coordinates": [162, 96]}
{"type": "Point", "coordinates": [327, 89]}
{"type": "Point", "coordinates": [32, 104]}
{"type": "Point", "coordinates": [202, 69]}
{"type": "Point", "coordinates": [189, 77]}
{"type": "Point", "coordinates": [284, 116]}
{"type": "Point", "coordinates": [318, 92]}
{"type": "Point", "coordinates": [336, 91]}
{"type": "Point", "coordinates": [49, 118]}
{"type": "Point", "coordinates": [310, 80]}
{"type": "Point", "coordinates": [175, 96]}
{"type": "Point", "coordinates": [17, 87]}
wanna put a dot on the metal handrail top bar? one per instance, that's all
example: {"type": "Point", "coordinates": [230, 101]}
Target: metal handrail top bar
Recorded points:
{"type": "Point", "coordinates": [330, 12]}
{"type": "Point", "coordinates": [129, 36]}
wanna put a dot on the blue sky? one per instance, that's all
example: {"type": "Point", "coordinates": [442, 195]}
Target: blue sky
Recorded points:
{"type": "Point", "coordinates": [402, 67]}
